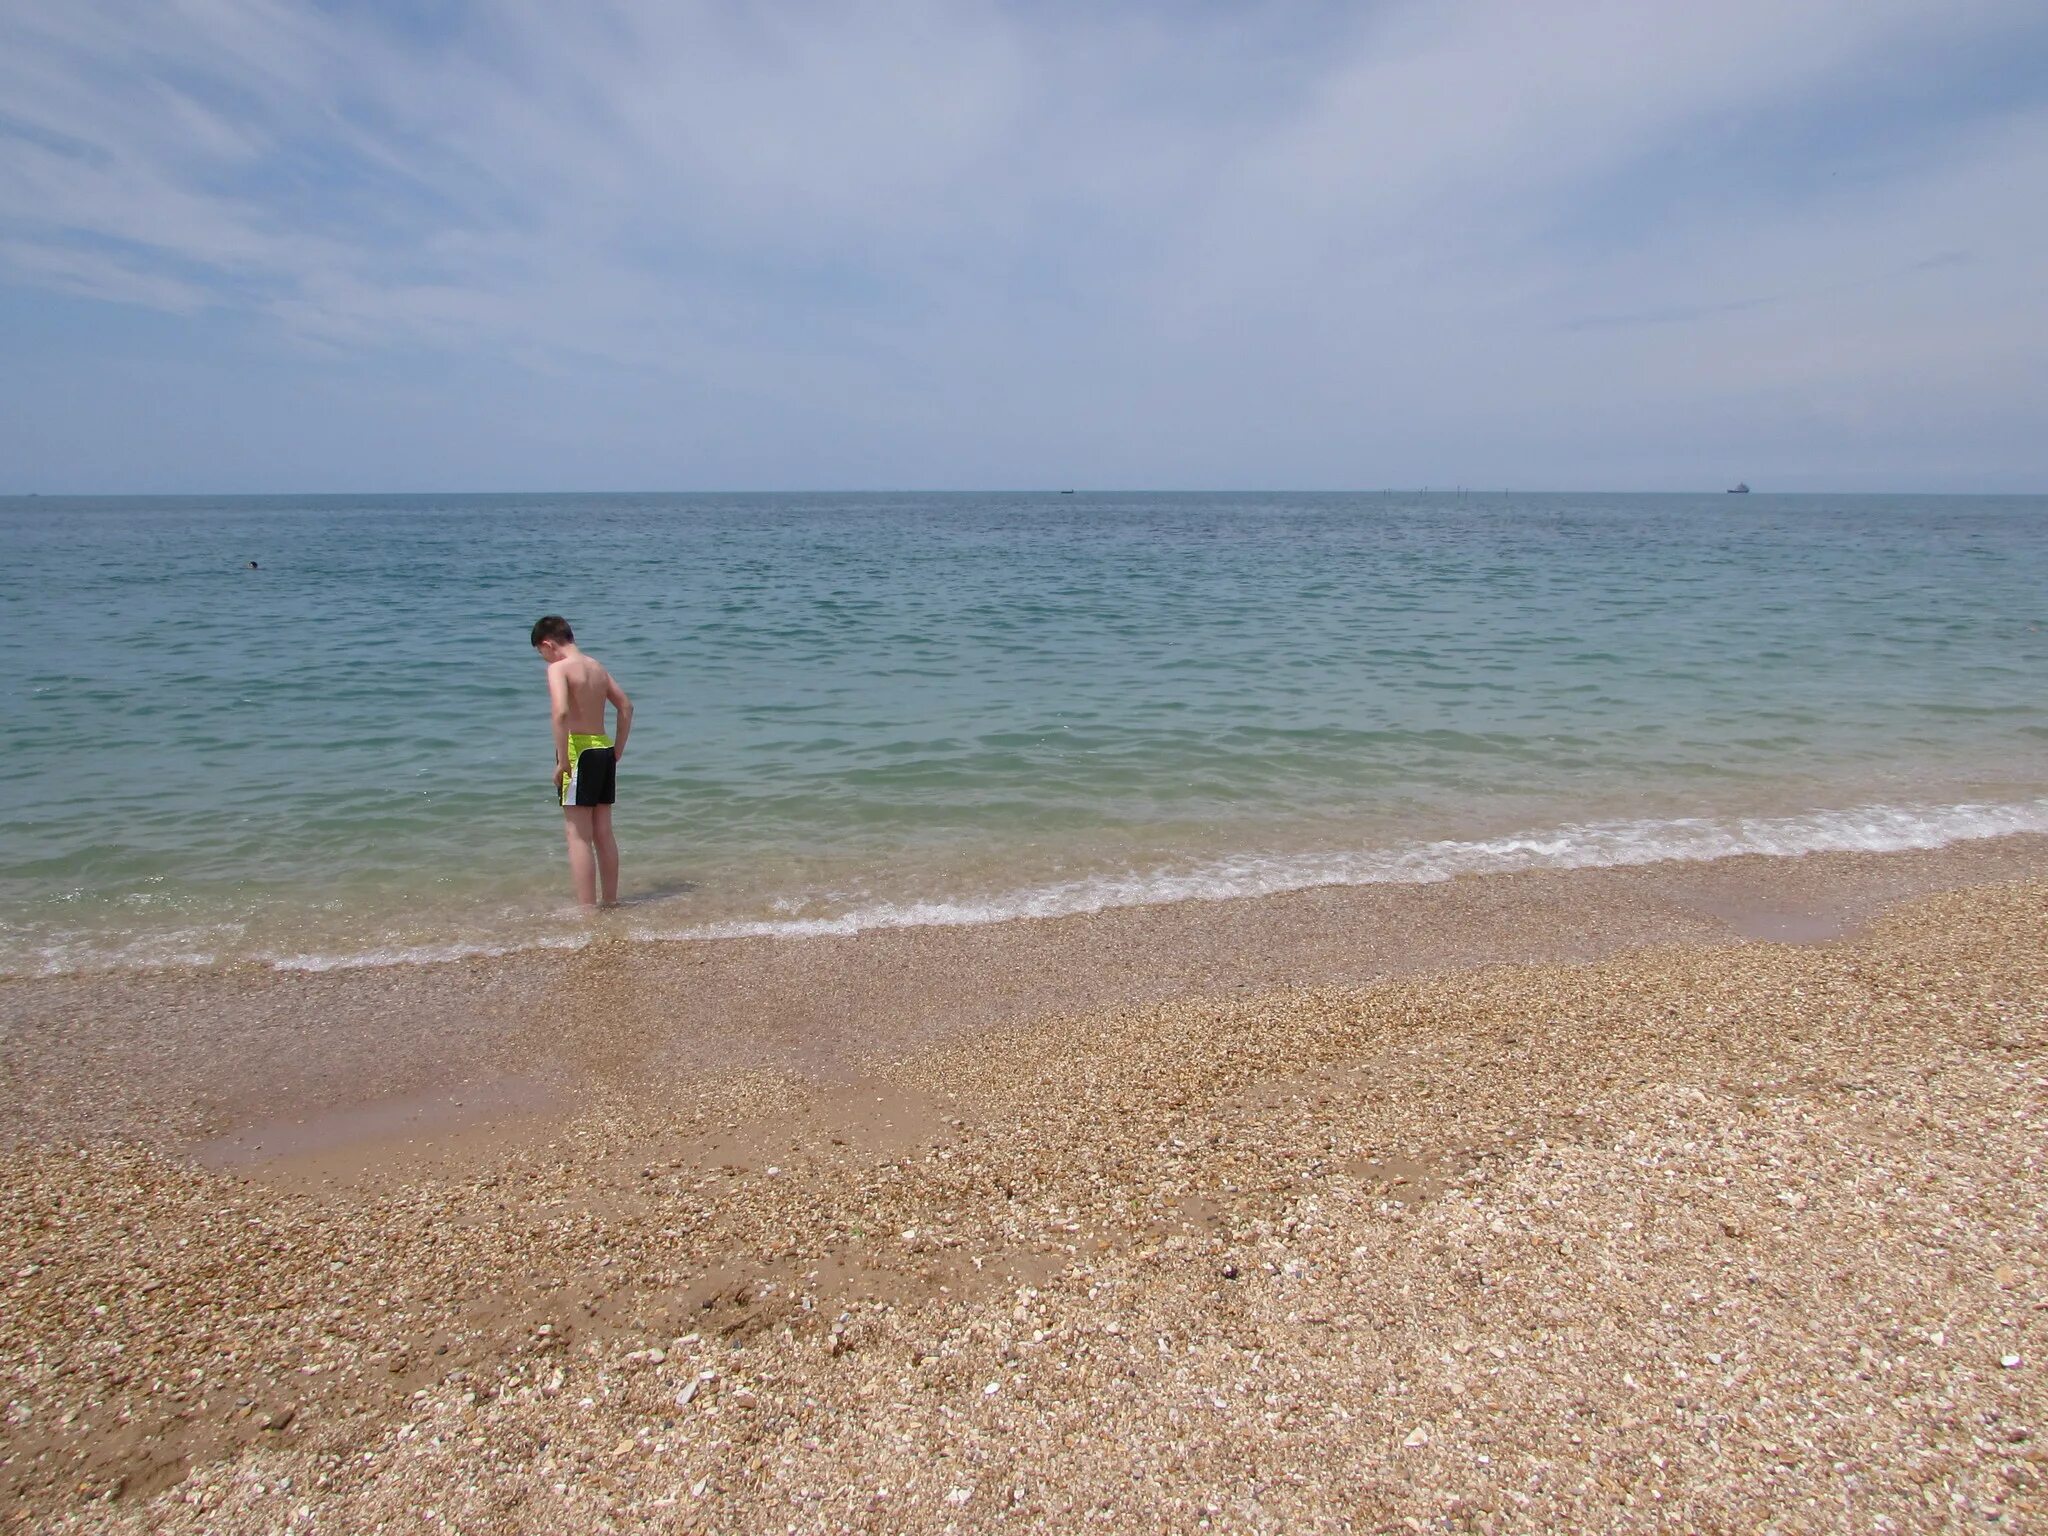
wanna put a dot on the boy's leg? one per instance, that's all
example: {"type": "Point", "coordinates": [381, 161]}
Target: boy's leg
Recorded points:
{"type": "Point", "coordinates": [576, 821]}
{"type": "Point", "coordinates": [607, 852]}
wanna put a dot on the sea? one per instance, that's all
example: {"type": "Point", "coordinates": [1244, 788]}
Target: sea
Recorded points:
{"type": "Point", "coordinates": [877, 710]}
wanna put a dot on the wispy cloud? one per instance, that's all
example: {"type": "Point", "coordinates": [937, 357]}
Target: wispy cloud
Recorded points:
{"type": "Point", "coordinates": [945, 243]}
{"type": "Point", "coordinates": [1669, 314]}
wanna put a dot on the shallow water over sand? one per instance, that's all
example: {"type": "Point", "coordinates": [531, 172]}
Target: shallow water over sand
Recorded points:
{"type": "Point", "coordinates": [861, 711]}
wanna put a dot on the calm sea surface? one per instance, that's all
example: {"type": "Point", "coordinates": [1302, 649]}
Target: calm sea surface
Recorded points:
{"type": "Point", "coordinates": [860, 710]}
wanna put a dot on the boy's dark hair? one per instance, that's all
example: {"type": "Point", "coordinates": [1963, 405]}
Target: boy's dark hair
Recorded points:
{"type": "Point", "coordinates": [556, 628]}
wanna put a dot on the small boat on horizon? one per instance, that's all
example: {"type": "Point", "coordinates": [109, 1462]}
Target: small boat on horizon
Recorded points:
{"type": "Point", "coordinates": [1739, 488]}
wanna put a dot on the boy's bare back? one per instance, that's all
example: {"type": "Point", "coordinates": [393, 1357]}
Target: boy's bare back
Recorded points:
{"type": "Point", "coordinates": [583, 687]}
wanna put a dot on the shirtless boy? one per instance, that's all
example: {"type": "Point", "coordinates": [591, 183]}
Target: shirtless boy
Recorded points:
{"type": "Point", "coordinates": [586, 760]}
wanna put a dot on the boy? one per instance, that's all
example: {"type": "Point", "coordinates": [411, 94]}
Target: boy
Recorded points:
{"type": "Point", "coordinates": [586, 760]}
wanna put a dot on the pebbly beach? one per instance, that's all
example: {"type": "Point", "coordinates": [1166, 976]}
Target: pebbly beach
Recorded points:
{"type": "Point", "coordinates": [1680, 1197]}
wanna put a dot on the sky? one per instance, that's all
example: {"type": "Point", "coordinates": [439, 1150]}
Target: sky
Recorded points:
{"type": "Point", "coordinates": [388, 245]}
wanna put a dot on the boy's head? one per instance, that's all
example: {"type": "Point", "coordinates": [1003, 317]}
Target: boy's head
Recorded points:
{"type": "Point", "coordinates": [550, 635]}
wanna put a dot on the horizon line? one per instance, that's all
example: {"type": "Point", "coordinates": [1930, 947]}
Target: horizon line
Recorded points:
{"type": "Point", "coordinates": [1047, 490]}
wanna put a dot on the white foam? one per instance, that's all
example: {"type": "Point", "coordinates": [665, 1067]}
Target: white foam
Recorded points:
{"type": "Point", "coordinates": [420, 954]}
{"type": "Point", "coordinates": [1586, 845]}
{"type": "Point", "coordinates": [1579, 845]}
{"type": "Point", "coordinates": [72, 958]}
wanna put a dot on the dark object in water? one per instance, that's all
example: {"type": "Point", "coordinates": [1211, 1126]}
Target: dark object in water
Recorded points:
{"type": "Point", "coordinates": [1066, 493]}
{"type": "Point", "coordinates": [1739, 488]}
{"type": "Point", "coordinates": [254, 566]}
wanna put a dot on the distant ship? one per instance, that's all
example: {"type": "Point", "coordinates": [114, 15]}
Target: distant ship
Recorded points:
{"type": "Point", "coordinates": [1739, 488]}
{"type": "Point", "coordinates": [1066, 493]}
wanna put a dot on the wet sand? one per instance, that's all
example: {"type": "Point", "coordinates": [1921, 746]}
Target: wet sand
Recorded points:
{"type": "Point", "coordinates": [328, 1058]}
{"type": "Point", "coordinates": [1521, 1202]}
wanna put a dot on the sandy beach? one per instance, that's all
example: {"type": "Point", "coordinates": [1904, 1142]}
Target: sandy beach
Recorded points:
{"type": "Point", "coordinates": [1697, 1197]}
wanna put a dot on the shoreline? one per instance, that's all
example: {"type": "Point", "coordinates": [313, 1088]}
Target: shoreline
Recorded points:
{"type": "Point", "coordinates": [1677, 1229]}
{"type": "Point", "coordinates": [1069, 883]}
{"type": "Point", "coordinates": [251, 1061]}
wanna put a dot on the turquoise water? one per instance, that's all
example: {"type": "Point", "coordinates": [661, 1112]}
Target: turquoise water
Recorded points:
{"type": "Point", "coordinates": [886, 709]}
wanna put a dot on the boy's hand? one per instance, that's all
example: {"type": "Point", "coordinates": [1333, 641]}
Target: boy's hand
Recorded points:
{"type": "Point", "coordinates": [561, 777]}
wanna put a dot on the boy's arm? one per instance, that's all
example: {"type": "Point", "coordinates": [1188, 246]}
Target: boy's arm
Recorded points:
{"type": "Point", "coordinates": [624, 706]}
{"type": "Point", "coordinates": [558, 700]}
